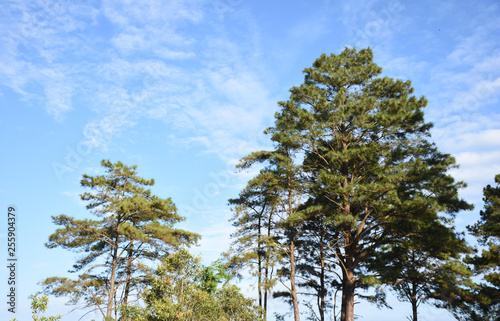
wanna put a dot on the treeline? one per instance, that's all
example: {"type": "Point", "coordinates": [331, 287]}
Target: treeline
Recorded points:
{"type": "Point", "coordinates": [353, 196]}
{"type": "Point", "coordinates": [133, 262]}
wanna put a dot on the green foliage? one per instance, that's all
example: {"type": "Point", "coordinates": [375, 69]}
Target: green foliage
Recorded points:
{"type": "Point", "coordinates": [269, 210]}
{"type": "Point", "coordinates": [180, 291]}
{"type": "Point", "coordinates": [132, 227]}
{"type": "Point", "coordinates": [354, 145]}
{"type": "Point", "coordinates": [487, 230]}
{"type": "Point", "coordinates": [426, 266]}
{"type": "Point", "coordinates": [211, 276]}
{"type": "Point", "coordinates": [255, 245]}
{"type": "Point", "coordinates": [373, 173]}
{"type": "Point", "coordinates": [317, 263]}
{"type": "Point", "coordinates": [483, 300]}
{"type": "Point", "coordinates": [38, 306]}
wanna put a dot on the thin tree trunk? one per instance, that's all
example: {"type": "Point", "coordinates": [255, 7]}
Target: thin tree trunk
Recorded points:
{"type": "Point", "coordinates": [259, 258]}
{"type": "Point", "coordinates": [111, 294]}
{"type": "Point", "coordinates": [292, 281]}
{"type": "Point", "coordinates": [335, 305]}
{"type": "Point", "coordinates": [414, 309]}
{"type": "Point", "coordinates": [414, 299]}
{"type": "Point", "coordinates": [293, 286]}
{"type": "Point", "coordinates": [129, 277]}
{"type": "Point", "coordinates": [322, 284]}
{"type": "Point", "coordinates": [116, 305]}
{"type": "Point", "coordinates": [264, 308]}
{"type": "Point", "coordinates": [267, 276]}
{"type": "Point", "coordinates": [414, 294]}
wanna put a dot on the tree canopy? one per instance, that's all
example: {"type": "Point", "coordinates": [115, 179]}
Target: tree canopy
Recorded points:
{"type": "Point", "coordinates": [132, 227]}
{"type": "Point", "coordinates": [182, 289]}
{"type": "Point", "coordinates": [483, 300]}
{"type": "Point", "coordinates": [356, 149]}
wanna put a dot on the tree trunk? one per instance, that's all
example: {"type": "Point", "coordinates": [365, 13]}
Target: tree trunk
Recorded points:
{"type": "Point", "coordinates": [292, 257]}
{"type": "Point", "coordinates": [267, 275]}
{"type": "Point", "coordinates": [414, 299]}
{"type": "Point", "coordinates": [129, 277]}
{"type": "Point", "coordinates": [322, 285]}
{"type": "Point", "coordinates": [348, 288]}
{"type": "Point", "coordinates": [348, 282]}
{"type": "Point", "coordinates": [266, 286]}
{"type": "Point", "coordinates": [111, 294]}
{"type": "Point", "coordinates": [414, 309]}
{"type": "Point", "coordinates": [259, 260]}
{"type": "Point", "coordinates": [264, 309]}
{"type": "Point", "coordinates": [292, 282]}
{"type": "Point", "coordinates": [414, 292]}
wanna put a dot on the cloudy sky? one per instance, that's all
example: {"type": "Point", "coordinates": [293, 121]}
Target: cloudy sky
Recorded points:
{"type": "Point", "coordinates": [184, 89]}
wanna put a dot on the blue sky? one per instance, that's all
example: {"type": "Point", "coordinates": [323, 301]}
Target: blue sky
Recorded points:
{"type": "Point", "coordinates": [184, 89]}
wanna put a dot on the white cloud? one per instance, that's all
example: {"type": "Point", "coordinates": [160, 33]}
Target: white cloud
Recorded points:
{"type": "Point", "coordinates": [480, 93]}
{"type": "Point", "coordinates": [486, 140]}
{"type": "Point", "coordinates": [152, 26]}
{"type": "Point", "coordinates": [372, 23]}
{"type": "Point", "coordinates": [58, 100]}
{"type": "Point", "coordinates": [14, 74]}
{"type": "Point", "coordinates": [172, 54]}
{"type": "Point", "coordinates": [472, 48]}
{"type": "Point", "coordinates": [125, 13]}
{"type": "Point", "coordinates": [463, 91]}
{"type": "Point", "coordinates": [224, 101]}
{"type": "Point", "coordinates": [405, 68]}
{"type": "Point", "coordinates": [36, 34]}
{"type": "Point", "coordinates": [148, 39]}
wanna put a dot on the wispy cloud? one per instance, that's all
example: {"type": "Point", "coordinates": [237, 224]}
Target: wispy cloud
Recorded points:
{"type": "Point", "coordinates": [125, 14]}
{"type": "Point", "coordinates": [372, 23]}
{"type": "Point", "coordinates": [37, 37]}
{"type": "Point", "coordinates": [130, 70]}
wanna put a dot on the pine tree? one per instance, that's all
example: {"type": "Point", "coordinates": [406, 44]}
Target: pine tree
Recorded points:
{"type": "Point", "coordinates": [317, 267]}
{"type": "Point", "coordinates": [132, 227]}
{"type": "Point", "coordinates": [426, 266]}
{"type": "Point", "coordinates": [484, 302]}
{"type": "Point", "coordinates": [363, 141]}
{"type": "Point", "coordinates": [254, 243]}
{"type": "Point", "coordinates": [281, 179]}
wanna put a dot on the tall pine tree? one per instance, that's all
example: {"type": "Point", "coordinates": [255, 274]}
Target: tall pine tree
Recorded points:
{"type": "Point", "coordinates": [254, 241]}
{"type": "Point", "coordinates": [132, 226]}
{"type": "Point", "coordinates": [282, 181]}
{"type": "Point", "coordinates": [484, 301]}
{"type": "Point", "coordinates": [363, 140]}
